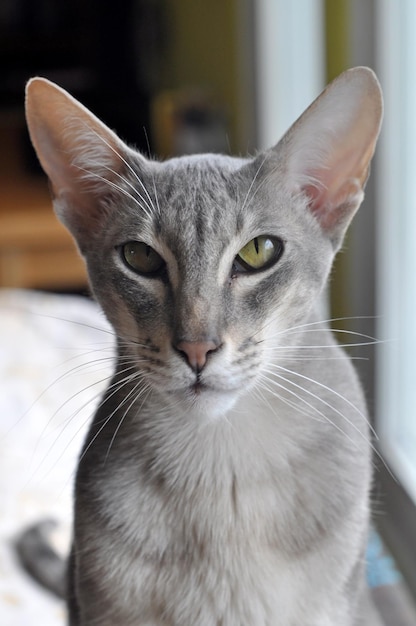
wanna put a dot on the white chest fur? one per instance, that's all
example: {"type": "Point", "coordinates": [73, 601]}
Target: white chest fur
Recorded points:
{"type": "Point", "coordinates": [233, 536]}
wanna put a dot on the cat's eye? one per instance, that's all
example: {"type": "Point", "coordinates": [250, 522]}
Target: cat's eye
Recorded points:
{"type": "Point", "coordinates": [142, 258]}
{"type": "Point", "coordinates": [258, 254]}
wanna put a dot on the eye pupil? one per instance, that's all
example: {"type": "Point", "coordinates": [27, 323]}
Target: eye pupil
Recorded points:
{"type": "Point", "coordinates": [141, 258]}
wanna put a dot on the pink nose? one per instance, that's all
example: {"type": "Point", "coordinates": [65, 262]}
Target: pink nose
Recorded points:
{"type": "Point", "coordinates": [196, 352]}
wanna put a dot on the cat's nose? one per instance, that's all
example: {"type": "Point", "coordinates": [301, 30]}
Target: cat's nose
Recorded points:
{"type": "Point", "coordinates": [196, 352]}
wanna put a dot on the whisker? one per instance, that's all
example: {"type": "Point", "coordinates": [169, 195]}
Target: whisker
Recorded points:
{"type": "Point", "coordinates": [365, 439]}
{"type": "Point", "coordinates": [117, 386]}
{"type": "Point", "coordinates": [145, 391]}
{"type": "Point", "coordinates": [320, 415]}
{"type": "Point", "coordinates": [126, 163]}
{"type": "Point", "coordinates": [326, 388]}
{"type": "Point", "coordinates": [314, 408]}
{"type": "Point", "coordinates": [324, 323]}
{"type": "Point", "coordinates": [290, 403]}
{"type": "Point", "coordinates": [245, 201]}
{"type": "Point", "coordinates": [332, 391]}
{"type": "Point", "coordinates": [147, 208]}
{"type": "Point", "coordinates": [330, 320]}
{"type": "Point", "coordinates": [110, 183]}
{"type": "Point", "coordinates": [324, 402]}
{"type": "Point", "coordinates": [292, 357]}
{"type": "Point", "coordinates": [137, 374]}
{"type": "Point", "coordinates": [153, 175]}
{"type": "Point", "coordinates": [45, 391]}
{"type": "Point", "coordinates": [63, 427]}
{"type": "Point", "coordinates": [294, 348]}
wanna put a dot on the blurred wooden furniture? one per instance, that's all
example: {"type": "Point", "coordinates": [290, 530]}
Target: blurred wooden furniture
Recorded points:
{"type": "Point", "coordinates": [36, 251]}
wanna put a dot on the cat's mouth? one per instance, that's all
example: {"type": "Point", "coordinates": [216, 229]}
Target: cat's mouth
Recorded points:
{"type": "Point", "coordinates": [199, 387]}
{"type": "Point", "coordinates": [206, 397]}
{"type": "Point", "coordinates": [202, 387]}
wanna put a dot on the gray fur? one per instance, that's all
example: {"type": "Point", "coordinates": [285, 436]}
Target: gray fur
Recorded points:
{"type": "Point", "coordinates": [236, 495]}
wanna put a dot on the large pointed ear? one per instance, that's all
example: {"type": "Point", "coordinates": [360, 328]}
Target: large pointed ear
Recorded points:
{"type": "Point", "coordinates": [327, 152]}
{"type": "Point", "coordinates": [83, 159]}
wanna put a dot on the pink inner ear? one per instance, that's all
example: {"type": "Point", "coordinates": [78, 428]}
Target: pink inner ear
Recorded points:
{"type": "Point", "coordinates": [318, 205]}
{"type": "Point", "coordinates": [331, 206]}
{"type": "Point", "coordinates": [337, 188]}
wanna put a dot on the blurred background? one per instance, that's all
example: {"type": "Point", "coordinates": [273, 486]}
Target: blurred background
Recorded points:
{"type": "Point", "coordinates": [182, 76]}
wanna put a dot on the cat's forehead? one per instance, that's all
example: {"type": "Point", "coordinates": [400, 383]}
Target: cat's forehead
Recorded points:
{"type": "Point", "coordinates": [206, 174]}
{"type": "Point", "coordinates": [199, 195]}
{"type": "Point", "coordinates": [203, 162]}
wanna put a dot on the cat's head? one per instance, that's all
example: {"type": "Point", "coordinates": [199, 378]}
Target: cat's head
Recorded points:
{"type": "Point", "coordinates": [202, 263]}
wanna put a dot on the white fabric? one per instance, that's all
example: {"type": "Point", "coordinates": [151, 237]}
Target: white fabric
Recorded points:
{"type": "Point", "coordinates": [55, 355]}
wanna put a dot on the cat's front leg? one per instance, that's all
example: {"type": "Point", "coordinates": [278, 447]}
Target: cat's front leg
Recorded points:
{"type": "Point", "coordinates": [94, 600]}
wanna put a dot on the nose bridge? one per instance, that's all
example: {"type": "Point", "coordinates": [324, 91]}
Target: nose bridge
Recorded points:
{"type": "Point", "coordinates": [198, 313]}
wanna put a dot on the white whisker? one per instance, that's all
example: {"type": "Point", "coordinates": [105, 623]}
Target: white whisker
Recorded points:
{"type": "Point", "coordinates": [146, 207]}
{"type": "Point", "coordinates": [314, 408]}
{"type": "Point", "coordinates": [110, 183]}
{"type": "Point", "coordinates": [290, 403]}
{"type": "Point", "coordinates": [145, 391]}
{"type": "Point", "coordinates": [246, 199]}
{"type": "Point", "coordinates": [127, 164]}
{"type": "Point", "coordinates": [332, 391]}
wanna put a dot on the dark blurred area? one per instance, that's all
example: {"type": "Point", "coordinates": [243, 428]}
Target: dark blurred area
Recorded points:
{"type": "Point", "coordinates": [164, 74]}
{"type": "Point", "coordinates": [109, 60]}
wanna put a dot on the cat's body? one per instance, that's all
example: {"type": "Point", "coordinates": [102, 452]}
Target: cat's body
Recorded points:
{"type": "Point", "coordinates": [244, 514]}
{"type": "Point", "coordinates": [225, 479]}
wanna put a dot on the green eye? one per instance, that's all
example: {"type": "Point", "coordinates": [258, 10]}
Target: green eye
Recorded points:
{"type": "Point", "coordinates": [259, 253]}
{"type": "Point", "coordinates": [141, 258]}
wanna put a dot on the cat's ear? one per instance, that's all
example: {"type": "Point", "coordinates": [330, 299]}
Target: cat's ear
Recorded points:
{"type": "Point", "coordinates": [83, 159]}
{"type": "Point", "coordinates": [327, 152]}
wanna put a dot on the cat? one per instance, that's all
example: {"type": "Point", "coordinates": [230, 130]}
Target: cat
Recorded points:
{"type": "Point", "coordinates": [225, 478]}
